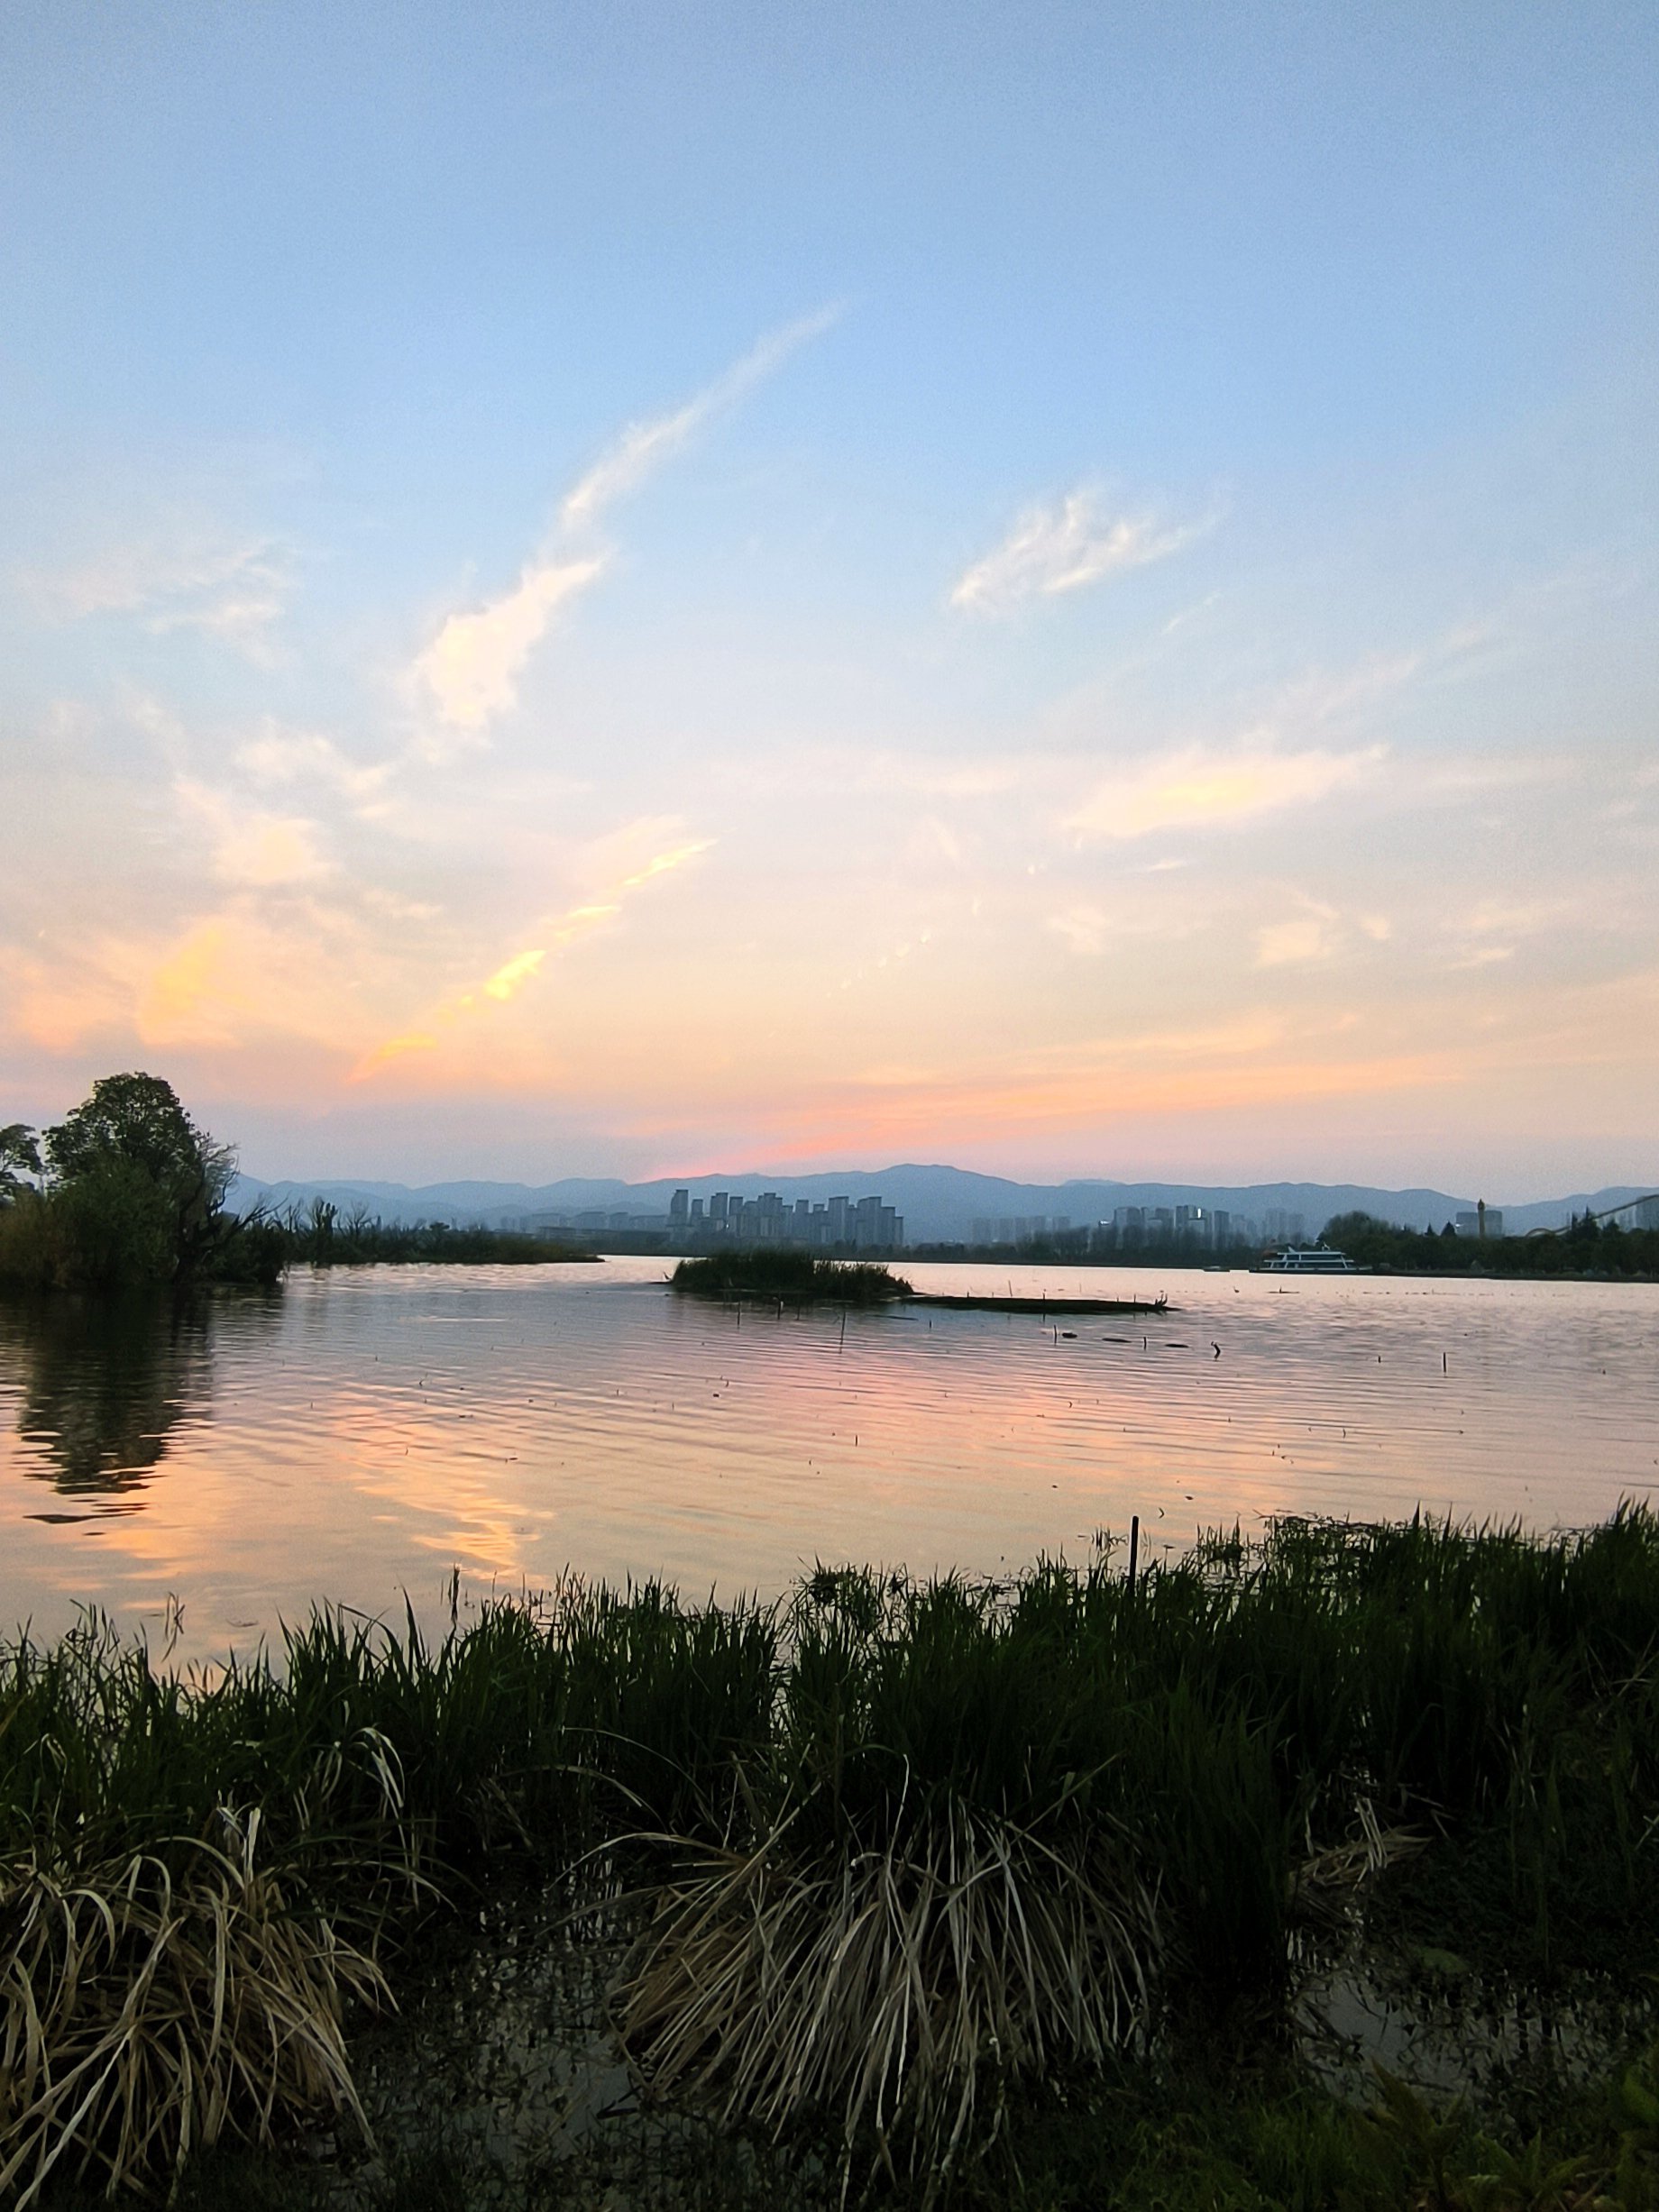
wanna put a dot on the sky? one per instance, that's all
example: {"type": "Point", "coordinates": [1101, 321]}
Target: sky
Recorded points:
{"type": "Point", "coordinates": [1065, 588]}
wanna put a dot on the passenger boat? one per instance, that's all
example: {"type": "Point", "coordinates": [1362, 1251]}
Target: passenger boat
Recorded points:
{"type": "Point", "coordinates": [1309, 1259]}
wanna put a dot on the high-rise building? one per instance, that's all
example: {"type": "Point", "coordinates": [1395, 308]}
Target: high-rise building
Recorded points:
{"type": "Point", "coordinates": [1484, 1222]}
{"type": "Point", "coordinates": [868, 1223]}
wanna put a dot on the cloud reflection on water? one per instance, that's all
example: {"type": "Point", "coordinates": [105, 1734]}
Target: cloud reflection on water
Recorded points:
{"type": "Point", "coordinates": [355, 1437]}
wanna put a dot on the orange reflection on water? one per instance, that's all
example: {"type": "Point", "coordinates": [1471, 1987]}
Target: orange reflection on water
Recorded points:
{"type": "Point", "coordinates": [366, 1432]}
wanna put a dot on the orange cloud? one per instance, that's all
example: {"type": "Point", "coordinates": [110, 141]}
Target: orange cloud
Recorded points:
{"type": "Point", "coordinates": [188, 995]}
{"type": "Point", "coordinates": [522, 968]}
{"type": "Point", "coordinates": [877, 1119]}
{"type": "Point", "coordinates": [519, 970]}
{"type": "Point", "coordinates": [1198, 789]}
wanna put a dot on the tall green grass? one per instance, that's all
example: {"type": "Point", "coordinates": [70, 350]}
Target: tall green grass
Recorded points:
{"type": "Point", "coordinates": [923, 1839]}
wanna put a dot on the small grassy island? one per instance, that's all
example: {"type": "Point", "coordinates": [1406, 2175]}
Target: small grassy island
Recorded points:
{"type": "Point", "coordinates": [926, 1893]}
{"type": "Point", "coordinates": [789, 1278]}
{"type": "Point", "coordinates": [798, 1279]}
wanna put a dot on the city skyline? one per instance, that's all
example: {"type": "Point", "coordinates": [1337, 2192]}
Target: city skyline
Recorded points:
{"type": "Point", "coordinates": [932, 1205]}
{"type": "Point", "coordinates": [641, 594]}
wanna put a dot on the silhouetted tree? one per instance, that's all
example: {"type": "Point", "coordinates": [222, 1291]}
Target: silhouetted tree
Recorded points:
{"type": "Point", "coordinates": [141, 1188]}
{"type": "Point", "coordinates": [131, 1192]}
{"type": "Point", "coordinates": [20, 1156]}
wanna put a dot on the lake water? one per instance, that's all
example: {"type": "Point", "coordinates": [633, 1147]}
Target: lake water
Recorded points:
{"type": "Point", "coordinates": [366, 1430]}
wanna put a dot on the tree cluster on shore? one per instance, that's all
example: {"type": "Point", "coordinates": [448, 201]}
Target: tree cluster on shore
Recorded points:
{"type": "Point", "coordinates": [1586, 1248]}
{"type": "Point", "coordinates": [128, 1193]}
{"type": "Point", "coordinates": [910, 1865]}
{"type": "Point", "coordinates": [125, 1191]}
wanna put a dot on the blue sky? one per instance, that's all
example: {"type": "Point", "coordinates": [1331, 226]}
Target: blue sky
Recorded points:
{"type": "Point", "coordinates": [1065, 588]}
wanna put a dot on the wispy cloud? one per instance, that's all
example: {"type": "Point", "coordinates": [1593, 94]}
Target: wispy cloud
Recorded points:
{"type": "Point", "coordinates": [1199, 789]}
{"type": "Point", "coordinates": [665, 864]}
{"type": "Point", "coordinates": [235, 591]}
{"type": "Point", "coordinates": [1086, 929]}
{"type": "Point", "coordinates": [471, 668]}
{"type": "Point", "coordinates": [1304, 937]}
{"type": "Point", "coordinates": [1061, 548]}
{"type": "Point", "coordinates": [513, 974]}
{"type": "Point", "coordinates": [257, 850]}
{"type": "Point", "coordinates": [1092, 927]}
{"type": "Point", "coordinates": [642, 447]}
{"type": "Point", "coordinates": [280, 756]}
{"type": "Point", "coordinates": [506, 980]}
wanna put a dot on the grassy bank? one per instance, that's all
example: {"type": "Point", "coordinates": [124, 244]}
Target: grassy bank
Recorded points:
{"type": "Point", "coordinates": [906, 1860]}
{"type": "Point", "coordinates": [54, 1241]}
{"type": "Point", "coordinates": [793, 1279]}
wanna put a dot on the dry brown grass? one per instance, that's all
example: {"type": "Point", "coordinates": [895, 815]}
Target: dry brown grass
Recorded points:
{"type": "Point", "coordinates": [146, 2012]}
{"type": "Point", "coordinates": [1327, 1887]}
{"type": "Point", "coordinates": [898, 1990]}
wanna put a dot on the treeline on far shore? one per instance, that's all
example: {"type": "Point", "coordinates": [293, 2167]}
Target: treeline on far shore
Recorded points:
{"type": "Point", "coordinates": [1588, 1247]}
{"type": "Point", "coordinates": [320, 1235]}
{"type": "Point", "coordinates": [127, 1191]}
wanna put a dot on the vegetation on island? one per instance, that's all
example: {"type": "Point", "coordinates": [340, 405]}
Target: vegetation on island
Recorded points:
{"type": "Point", "coordinates": [946, 1887]}
{"type": "Point", "coordinates": [127, 1191]}
{"type": "Point", "coordinates": [1586, 1247]}
{"type": "Point", "coordinates": [789, 1278]}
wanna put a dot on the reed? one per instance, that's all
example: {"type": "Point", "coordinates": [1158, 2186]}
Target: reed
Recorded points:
{"type": "Point", "coordinates": [898, 1986]}
{"type": "Point", "coordinates": [899, 1848]}
{"type": "Point", "coordinates": [151, 2011]}
{"type": "Point", "coordinates": [321, 1236]}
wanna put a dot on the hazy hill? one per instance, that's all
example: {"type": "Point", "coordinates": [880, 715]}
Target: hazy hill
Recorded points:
{"type": "Point", "coordinates": [940, 1205]}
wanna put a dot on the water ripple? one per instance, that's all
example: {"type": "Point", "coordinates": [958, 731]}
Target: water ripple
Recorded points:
{"type": "Point", "coordinates": [355, 1437]}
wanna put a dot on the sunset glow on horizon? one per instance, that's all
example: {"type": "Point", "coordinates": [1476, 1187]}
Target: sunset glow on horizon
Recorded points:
{"type": "Point", "coordinates": [1073, 594]}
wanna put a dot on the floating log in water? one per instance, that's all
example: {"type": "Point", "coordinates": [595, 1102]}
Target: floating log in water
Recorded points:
{"type": "Point", "coordinates": [970, 1301]}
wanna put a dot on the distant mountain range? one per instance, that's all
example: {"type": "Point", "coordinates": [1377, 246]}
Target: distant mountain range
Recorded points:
{"type": "Point", "coordinates": [940, 1205]}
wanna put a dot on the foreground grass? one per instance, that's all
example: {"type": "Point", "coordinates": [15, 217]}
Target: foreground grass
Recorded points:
{"type": "Point", "coordinates": [905, 1859]}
